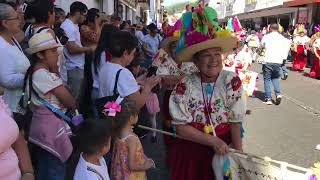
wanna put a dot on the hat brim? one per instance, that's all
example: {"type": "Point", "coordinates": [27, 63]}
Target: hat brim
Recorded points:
{"type": "Point", "coordinates": [226, 44]}
{"type": "Point", "coordinates": [42, 48]}
{"type": "Point", "coordinates": [165, 44]}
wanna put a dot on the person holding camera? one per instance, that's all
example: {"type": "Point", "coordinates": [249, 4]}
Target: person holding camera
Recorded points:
{"type": "Point", "coordinates": [116, 77]}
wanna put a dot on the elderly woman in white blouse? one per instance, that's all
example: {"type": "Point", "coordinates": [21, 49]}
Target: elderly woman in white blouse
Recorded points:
{"type": "Point", "coordinates": [13, 66]}
{"type": "Point", "coordinates": [207, 107]}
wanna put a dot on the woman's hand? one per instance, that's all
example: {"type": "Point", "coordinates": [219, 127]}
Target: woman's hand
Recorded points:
{"type": "Point", "coordinates": [141, 79]}
{"type": "Point", "coordinates": [151, 82]}
{"type": "Point", "coordinates": [220, 147]}
{"type": "Point", "coordinates": [150, 163]}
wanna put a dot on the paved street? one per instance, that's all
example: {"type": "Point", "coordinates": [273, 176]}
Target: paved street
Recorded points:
{"type": "Point", "coordinates": [289, 132]}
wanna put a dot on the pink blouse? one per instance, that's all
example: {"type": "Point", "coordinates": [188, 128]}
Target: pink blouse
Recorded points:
{"type": "Point", "coordinates": [9, 131]}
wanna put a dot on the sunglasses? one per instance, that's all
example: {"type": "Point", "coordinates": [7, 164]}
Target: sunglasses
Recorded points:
{"type": "Point", "coordinates": [18, 4]}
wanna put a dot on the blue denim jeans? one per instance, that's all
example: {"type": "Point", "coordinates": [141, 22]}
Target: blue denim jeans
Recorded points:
{"type": "Point", "coordinates": [284, 69]}
{"type": "Point", "coordinates": [49, 167]}
{"type": "Point", "coordinates": [271, 72]}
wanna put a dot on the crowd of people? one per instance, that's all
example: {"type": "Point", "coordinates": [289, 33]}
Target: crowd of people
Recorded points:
{"type": "Point", "coordinates": [76, 84]}
{"type": "Point", "coordinates": [273, 48]}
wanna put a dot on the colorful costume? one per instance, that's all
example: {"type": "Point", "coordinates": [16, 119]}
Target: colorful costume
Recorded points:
{"type": "Point", "coordinates": [239, 59]}
{"type": "Point", "coordinates": [315, 70]}
{"type": "Point", "coordinates": [300, 57]}
{"type": "Point", "coordinates": [170, 68]}
{"type": "Point", "coordinates": [238, 62]}
{"type": "Point", "coordinates": [210, 108]}
{"type": "Point", "coordinates": [187, 106]}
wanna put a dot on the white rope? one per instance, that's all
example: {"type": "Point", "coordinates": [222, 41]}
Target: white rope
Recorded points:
{"type": "Point", "coordinates": [267, 159]}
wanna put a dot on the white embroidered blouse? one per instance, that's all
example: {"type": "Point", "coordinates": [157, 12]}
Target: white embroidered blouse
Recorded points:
{"type": "Point", "coordinates": [227, 104]}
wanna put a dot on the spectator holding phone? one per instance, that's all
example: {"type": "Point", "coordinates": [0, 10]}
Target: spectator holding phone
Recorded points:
{"type": "Point", "coordinates": [122, 52]}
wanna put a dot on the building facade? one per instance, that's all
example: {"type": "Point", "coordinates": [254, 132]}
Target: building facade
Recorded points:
{"type": "Point", "coordinates": [259, 13]}
{"type": "Point", "coordinates": [132, 10]}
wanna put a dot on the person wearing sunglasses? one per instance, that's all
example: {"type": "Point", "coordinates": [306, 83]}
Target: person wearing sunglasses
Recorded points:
{"type": "Point", "coordinates": [13, 66]}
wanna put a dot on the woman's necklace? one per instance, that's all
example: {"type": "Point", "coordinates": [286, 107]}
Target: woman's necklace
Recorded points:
{"type": "Point", "coordinates": [207, 98]}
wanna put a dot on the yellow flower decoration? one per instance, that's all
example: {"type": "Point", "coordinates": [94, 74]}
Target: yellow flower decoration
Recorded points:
{"type": "Point", "coordinates": [176, 33]}
{"type": "Point", "coordinates": [316, 169]}
{"type": "Point", "coordinates": [207, 129]}
{"type": "Point", "coordinates": [223, 33]}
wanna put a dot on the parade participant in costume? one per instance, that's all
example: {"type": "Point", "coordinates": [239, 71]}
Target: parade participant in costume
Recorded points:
{"type": "Point", "coordinates": [239, 59]}
{"type": "Point", "coordinates": [207, 103]}
{"type": "Point", "coordinates": [299, 47]}
{"type": "Point", "coordinates": [171, 71]}
{"type": "Point", "coordinates": [238, 62]}
{"type": "Point", "coordinates": [315, 43]}
{"type": "Point", "coordinates": [253, 43]}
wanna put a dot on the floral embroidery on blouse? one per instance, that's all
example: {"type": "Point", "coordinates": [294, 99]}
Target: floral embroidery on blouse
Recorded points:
{"type": "Point", "coordinates": [227, 105]}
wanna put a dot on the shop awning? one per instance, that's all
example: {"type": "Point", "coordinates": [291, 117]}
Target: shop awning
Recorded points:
{"type": "Point", "coordinates": [290, 3]}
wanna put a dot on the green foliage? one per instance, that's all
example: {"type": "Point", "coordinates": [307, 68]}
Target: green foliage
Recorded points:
{"type": "Point", "coordinates": [178, 7]}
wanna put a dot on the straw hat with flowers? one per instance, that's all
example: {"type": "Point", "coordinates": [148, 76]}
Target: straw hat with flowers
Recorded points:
{"type": "Point", "coordinates": [200, 31]}
{"type": "Point", "coordinates": [172, 35]}
{"type": "Point", "coordinates": [40, 42]}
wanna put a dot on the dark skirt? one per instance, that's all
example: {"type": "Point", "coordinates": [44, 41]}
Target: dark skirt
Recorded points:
{"type": "Point", "coordinates": [189, 161]}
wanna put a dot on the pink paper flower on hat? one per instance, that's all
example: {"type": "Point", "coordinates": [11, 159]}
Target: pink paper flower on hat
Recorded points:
{"type": "Point", "coordinates": [317, 28]}
{"type": "Point", "coordinates": [112, 108]}
{"type": "Point", "coordinates": [195, 37]}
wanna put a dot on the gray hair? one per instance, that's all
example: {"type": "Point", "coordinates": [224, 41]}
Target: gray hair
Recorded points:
{"type": "Point", "coordinates": [5, 10]}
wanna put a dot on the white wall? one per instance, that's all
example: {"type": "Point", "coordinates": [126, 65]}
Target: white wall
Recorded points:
{"type": "Point", "coordinates": [108, 6]}
{"type": "Point", "coordinates": [239, 6]}
{"type": "Point", "coordinates": [152, 13]}
{"type": "Point", "coordinates": [129, 14]}
{"type": "Point", "coordinates": [65, 4]}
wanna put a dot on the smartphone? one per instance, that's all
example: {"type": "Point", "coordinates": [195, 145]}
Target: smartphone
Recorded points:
{"type": "Point", "coordinates": [152, 71]}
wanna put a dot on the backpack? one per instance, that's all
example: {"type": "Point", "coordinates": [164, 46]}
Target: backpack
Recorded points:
{"type": "Point", "coordinates": [100, 102]}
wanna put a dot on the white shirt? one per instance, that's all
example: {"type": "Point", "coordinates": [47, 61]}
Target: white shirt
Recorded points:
{"type": "Point", "coordinates": [274, 44]}
{"type": "Point", "coordinates": [83, 173]}
{"type": "Point", "coordinates": [73, 61]}
{"type": "Point", "coordinates": [127, 84]}
{"type": "Point", "coordinates": [301, 40]}
{"type": "Point", "coordinates": [153, 43]}
{"type": "Point", "coordinates": [44, 82]}
{"type": "Point", "coordinates": [13, 66]}
{"type": "Point", "coordinates": [95, 76]}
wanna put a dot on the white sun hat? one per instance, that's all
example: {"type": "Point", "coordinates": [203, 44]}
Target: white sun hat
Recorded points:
{"type": "Point", "coordinates": [40, 42]}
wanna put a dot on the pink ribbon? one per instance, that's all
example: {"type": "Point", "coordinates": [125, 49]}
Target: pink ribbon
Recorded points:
{"type": "Point", "coordinates": [112, 108]}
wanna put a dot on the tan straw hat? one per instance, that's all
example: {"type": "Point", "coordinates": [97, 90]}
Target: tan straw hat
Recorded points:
{"type": "Point", "coordinates": [225, 43]}
{"type": "Point", "coordinates": [41, 41]}
{"type": "Point", "coordinates": [200, 31]}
